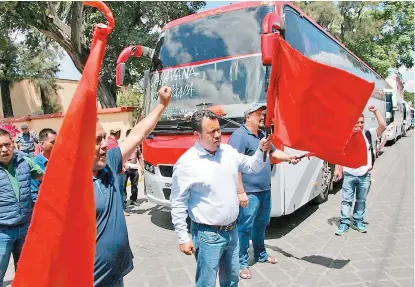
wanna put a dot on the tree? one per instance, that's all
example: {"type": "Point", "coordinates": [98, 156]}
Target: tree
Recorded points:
{"type": "Point", "coordinates": [131, 97]}
{"type": "Point", "coordinates": [19, 61]}
{"type": "Point", "coordinates": [70, 24]}
{"type": "Point", "coordinates": [409, 97]}
{"type": "Point", "coordinates": [380, 33]}
{"type": "Point", "coordinates": [9, 67]}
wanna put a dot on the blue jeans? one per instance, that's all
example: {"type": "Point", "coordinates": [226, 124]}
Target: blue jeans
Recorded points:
{"type": "Point", "coordinates": [360, 184]}
{"type": "Point", "coordinates": [11, 242]}
{"type": "Point", "coordinates": [252, 222]}
{"type": "Point", "coordinates": [215, 250]}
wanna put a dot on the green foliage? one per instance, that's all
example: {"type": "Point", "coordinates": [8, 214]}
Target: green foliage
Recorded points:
{"type": "Point", "coordinates": [380, 33]}
{"type": "Point", "coordinates": [409, 97]}
{"type": "Point", "coordinates": [130, 97]}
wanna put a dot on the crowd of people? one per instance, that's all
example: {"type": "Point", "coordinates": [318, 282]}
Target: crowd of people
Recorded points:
{"type": "Point", "coordinates": [224, 188]}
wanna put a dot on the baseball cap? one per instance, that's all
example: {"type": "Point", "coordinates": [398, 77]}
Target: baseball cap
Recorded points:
{"type": "Point", "coordinates": [255, 106]}
{"type": "Point", "coordinates": [24, 126]}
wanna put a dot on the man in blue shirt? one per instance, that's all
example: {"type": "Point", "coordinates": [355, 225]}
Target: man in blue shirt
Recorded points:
{"type": "Point", "coordinates": [254, 190]}
{"type": "Point", "coordinates": [46, 140]}
{"type": "Point", "coordinates": [113, 256]}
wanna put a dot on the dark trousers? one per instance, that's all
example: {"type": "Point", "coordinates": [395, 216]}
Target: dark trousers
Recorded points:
{"type": "Point", "coordinates": [131, 174]}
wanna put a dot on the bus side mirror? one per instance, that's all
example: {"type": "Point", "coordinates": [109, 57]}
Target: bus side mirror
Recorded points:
{"type": "Point", "coordinates": [270, 28]}
{"type": "Point", "coordinates": [120, 74]}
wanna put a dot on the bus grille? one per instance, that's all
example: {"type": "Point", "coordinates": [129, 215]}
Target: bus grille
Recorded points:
{"type": "Point", "coordinates": [166, 192]}
{"type": "Point", "coordinates": [166, 170]}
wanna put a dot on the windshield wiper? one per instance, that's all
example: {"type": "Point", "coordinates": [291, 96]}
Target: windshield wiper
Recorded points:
{"type": "Point", "coordinates": [229, 120]}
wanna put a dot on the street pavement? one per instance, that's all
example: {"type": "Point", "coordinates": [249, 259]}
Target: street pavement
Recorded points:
{"type": "Point", "coordinates": [304, 242]}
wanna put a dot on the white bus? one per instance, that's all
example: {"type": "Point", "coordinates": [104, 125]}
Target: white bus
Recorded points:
{"type": "Point", "coordinates": [214, 58]}
{"type": "Point", "coordinates": [406, 117]}
{"type": "Point", "coordinates": [394, 116]}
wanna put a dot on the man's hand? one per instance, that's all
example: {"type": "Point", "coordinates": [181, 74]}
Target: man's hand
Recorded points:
{"type": "Point", "coordinates": [373, 109]}
{"type": "Point", "coordinates": [337, 175]}
{"type": "Point", "coordinates": [187, 248]}
{"type": "Point", "coordinates": [165, 95]}
{"type": "Point", "coordinates": [265, 144]}
{"type": "Point", "coordinates": [243, 199]}
{"type": "Point", "coordinates": [293, 159]}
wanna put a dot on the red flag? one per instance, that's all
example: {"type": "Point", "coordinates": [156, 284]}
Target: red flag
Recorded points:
{"type": "Point", "coordinates": [315, 107]}
{"type": "Point", "coordinates": [60, 244]}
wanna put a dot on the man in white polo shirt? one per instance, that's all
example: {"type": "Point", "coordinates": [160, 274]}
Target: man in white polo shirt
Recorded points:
{"type": "Point", "coordinates": [358, 179]}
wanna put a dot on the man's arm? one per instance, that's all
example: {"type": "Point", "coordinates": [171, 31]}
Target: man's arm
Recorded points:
{"type": "Point", "coordinates": [36, 172]}
{"type": "Point", "coordinates": [282, 156]}
{"type": "Point", "coordinates": [254, 163]}
{"type": "Point", "coordinates": [242, 196]}
{"type": "Point", "coordinates": [35, 137]}
{"type": "Point", "coordinates": [338, 173]}
{"type": "Point", "coordinates": [381, 122]}
{"type": "Point", "coordinates": [144, 127]}
{"type": "Point", "coordinates": [179, 197]}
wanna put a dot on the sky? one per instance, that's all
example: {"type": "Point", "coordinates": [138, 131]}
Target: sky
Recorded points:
{"type": "Point", "coordinates": [68, 70]}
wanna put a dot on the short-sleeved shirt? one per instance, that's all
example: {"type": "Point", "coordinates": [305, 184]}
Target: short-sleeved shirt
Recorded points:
{"type": "Point", "coordinates": [27, 141]}
{"type": "Point", "coordinates": [246, 142]}
{"type": "Point", "coordinates": [35, 172]}
{"type": "Point", "coordinates": [113, 256]}
{"type": "Point", "coordinates": [360, 171]}
{"type": "Point", "coordinates": [41, 161]}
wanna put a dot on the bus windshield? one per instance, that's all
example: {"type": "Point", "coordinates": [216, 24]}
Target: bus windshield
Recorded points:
{"type": "Point", "coordinates": [214, 60]}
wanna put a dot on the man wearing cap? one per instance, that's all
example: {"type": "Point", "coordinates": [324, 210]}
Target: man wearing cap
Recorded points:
{"type": "Point", "coordinates": [26, 141]}
{"type": "Point", "coordinates": [113, 138]}
{"type": "Point", "coordinates": [254, 190]}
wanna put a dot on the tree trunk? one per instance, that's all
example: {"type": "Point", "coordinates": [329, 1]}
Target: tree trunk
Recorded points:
{"type": "Point", "coordinates": [45, 100]}
{"type": "Point", "coordinates": [5, 98]}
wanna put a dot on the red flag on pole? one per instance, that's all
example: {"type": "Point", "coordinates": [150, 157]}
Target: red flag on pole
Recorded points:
{"type": "Point", "coordinates": [315, 107]}
{"type": "Point", "coordinates": [60, 244]}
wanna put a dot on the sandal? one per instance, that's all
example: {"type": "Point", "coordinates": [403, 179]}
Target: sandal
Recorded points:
{"type": "Point", "coordinates": [272, 260]}
{"type": "Point", "coordinates": [245, 273]}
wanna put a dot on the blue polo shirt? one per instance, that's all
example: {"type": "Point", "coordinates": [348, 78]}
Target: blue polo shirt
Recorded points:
{"type": "Point", "coordinates": [245, 142]}
{"type": "Point", "coordinates": [113, 256]}
{"type": "Point", "coordinates": [41, 160]}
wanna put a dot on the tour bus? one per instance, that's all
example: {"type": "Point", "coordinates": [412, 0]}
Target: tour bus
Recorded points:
{"type": "Point", "coordinates": [412, 117]}
{"type": "Point", "coordinates": [214, 58]}
{"type": "Point", "coordinates": [406, 117]}
{"type": "Point", "coordinates": [394, 116]}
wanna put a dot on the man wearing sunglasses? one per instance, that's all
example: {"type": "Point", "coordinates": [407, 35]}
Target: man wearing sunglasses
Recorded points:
{"type": "Point", "coordinates": [46, 141]}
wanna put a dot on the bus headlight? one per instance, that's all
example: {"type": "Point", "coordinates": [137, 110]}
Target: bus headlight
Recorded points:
{"type": "Point", "coordinates": [149, 167]}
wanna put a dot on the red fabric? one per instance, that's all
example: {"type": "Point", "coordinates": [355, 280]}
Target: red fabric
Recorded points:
{"type": "Point", "coordinates": [60, 245]}
{"type": "Point", "coordinates": [315, 107]}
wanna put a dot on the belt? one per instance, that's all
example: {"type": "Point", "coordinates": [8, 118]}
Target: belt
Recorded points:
{"type": "Point", "coordinates": [228, 227]}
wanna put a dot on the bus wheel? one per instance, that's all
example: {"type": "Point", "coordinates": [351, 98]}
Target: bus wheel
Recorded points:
{"type": "Point", "coordinates": [328, 171]}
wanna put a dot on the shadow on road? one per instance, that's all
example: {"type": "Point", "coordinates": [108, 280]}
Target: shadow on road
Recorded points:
{"type": "Point", "coordinates": [314, 259]}
{"type": "Point", "coordinates": [280, 226]}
